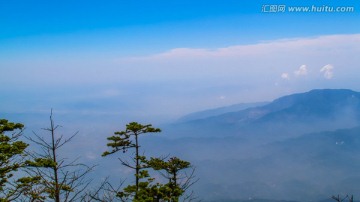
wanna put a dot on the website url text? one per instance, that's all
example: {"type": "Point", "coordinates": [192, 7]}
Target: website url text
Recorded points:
{"type": "Point", "coordinates": [273, 8]}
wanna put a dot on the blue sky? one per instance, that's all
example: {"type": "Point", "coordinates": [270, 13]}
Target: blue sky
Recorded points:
{"type": "Point", "coordinates": [136, 27]}
{"type": "Point", "coordinates": [164, 59]}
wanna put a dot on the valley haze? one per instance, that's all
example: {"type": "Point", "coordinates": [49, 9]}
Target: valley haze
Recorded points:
{"type": "Point", "coordinates": [299, 147]}
{"type": "Point", "coordinates": [266, 105]}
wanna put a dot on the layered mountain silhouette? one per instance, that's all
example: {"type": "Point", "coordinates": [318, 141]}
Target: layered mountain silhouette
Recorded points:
{"type": "Point", "coordinates": [300, 147]}
{"type": "Point", "coordinates": [219, 111]}
{"type": "Point", "coordinates": [313, 111]}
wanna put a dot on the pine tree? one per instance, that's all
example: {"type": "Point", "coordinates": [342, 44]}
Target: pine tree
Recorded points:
{"type": "Point", "coordinates": [12, 153]}
{"type": "Point", "coordinates": [129, 139]}
{"type": "Point", "coordinates": [147, 188]}
{"type": "Point", "coordinates": [178, 182]}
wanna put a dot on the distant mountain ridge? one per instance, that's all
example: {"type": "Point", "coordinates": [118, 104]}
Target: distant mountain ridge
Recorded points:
{"type": "Point", "coordinates": [219, 111]}
{"type": "Point", "coordinates": [320, 109]}
{"type": "Point", "coordinates": [318, 103]}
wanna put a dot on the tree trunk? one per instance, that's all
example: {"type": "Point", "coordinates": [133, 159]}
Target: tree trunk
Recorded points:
{"type": "Point", "coordinates": [55, 169]}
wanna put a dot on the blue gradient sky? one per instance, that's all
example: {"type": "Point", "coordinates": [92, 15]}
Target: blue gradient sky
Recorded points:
{"type": "Point", "coordinates": [82, 56]}
{"type": "Point", "coordinates": [141, 27]}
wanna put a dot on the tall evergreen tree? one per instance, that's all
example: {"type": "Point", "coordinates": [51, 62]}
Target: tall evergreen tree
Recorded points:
{"type": "Point", "coordinates": [12, 152]}
{"type": "Point", "coordinates": [147, 188]}
{"type": "Point", "coordinates": [178, 182]}
{"type": "Point", "coordinates": [129, 139]}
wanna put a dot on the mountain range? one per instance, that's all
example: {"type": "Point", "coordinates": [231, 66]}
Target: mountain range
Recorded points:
{"type": "Point", "coordinates": [300, 147]}
{"type": "Point", "coordinates": [313, 111]}
{"type": "Point", "coordinates": [303, 147]}
{"type": "Point", "coordinates": [219, 111]}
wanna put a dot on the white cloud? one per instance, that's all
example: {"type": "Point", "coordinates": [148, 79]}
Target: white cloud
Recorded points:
{"type": "Point", "coordinates": [302, 71]}
{"type": "Point", "coordinates": [300, 46]}
{"type": "Point", "coordinates": [285, 76]}
{"type": "Point", "coordinates": [252, 64]}
{"type": "Point", "coordinates": [327, 70]}
{"type": "Point", "coordinates": [246, 62]}
{"type": "Point", "coordinates": [192, 78]}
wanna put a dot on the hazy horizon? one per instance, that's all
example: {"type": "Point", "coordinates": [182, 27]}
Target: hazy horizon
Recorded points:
{"type": "Point", "coordinates": [100, 65]}
{"type": "Point", "coordinates": [162, 60]}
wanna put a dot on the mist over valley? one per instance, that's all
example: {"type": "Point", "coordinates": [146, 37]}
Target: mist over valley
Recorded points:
{"type": "Point", "coordinates": [299, 147]}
